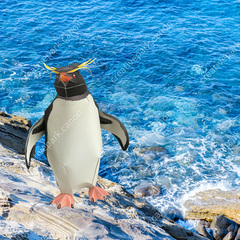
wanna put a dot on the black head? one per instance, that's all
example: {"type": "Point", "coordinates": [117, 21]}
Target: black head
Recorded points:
{"type": "Point", "coordinates": [69, 83]}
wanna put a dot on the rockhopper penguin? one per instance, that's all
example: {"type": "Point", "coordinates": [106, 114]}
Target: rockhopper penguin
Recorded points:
{"type": "Point", "coordinates": [72, 126]}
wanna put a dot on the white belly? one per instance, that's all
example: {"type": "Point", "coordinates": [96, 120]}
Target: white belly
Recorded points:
{"type": "Point", "coordinates": [74, 143]}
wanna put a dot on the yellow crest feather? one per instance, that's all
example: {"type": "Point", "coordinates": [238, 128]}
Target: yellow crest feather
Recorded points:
{"type": "Point", "coordinates": [83, 65]}
{"type": "Point", "coordinates": [50, 68]}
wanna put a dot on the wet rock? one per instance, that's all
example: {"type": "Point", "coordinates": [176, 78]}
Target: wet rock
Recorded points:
{"type": "Point", "coordinates": [229, 236]}
{"type": "Point", "coordinates": [178, 233]}
{"type": "Point", "coordinates": [146, 189]}
{"type": "Point", "coordinates": [14, 131]}
{"type": "Point", "coordinates": [237, 235]}
{"type": "Point", "coordinates": [210, 203]}
{"type": "Point", "coordinates": [150, 153]}
{"type": "Point", "coordinates": [156, 149]}
{"type": "Point", "coordinates": [222, 227]}
{"type": "Point", "coordinates": [174, 214]}
{"type": "Point", "coordinates": [205, 223]}
{"type": "Point", "coordinates": [201, 229]}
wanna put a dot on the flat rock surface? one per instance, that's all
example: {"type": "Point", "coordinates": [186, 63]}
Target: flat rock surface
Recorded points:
{"type": "Point", "coordinates": [147, 189]}
{"type": "Point", "coordinates": [210, 203]}
{"type": "Point", "coordinates": [14, 131]}
{"type": "Point", "coordinates": [26, 213]}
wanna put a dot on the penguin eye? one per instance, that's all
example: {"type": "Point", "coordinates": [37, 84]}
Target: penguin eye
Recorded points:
{"type": "Point", "coordinates": [74, 76]}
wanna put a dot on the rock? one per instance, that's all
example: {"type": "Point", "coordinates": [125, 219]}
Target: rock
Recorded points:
{"type": "Point", "coordinates": [229, 236]}
{"type": "Point", "coordinates": [14, 131]}
{"type": "Point", "coordinates": [150, 153]}
{"type": "Point", "coordinates": [177, 232]}
{"type": "Point", "coordinates": [25, 197]}
{"type": "Point", "coordinates": [156, 149]}
{"type": "Point", "coordinates": [173, 214]}
{"type": "Point", "coordinates": [210, 203]}
{"type": "Point", "coordinates": [146, 189]}
{"type": "Point", "coordinates": [13, 230]}
{"type": "Point", "coordinates": [201, 229]}
{"type": "Point", "coordinates": [222, 227]}
{"type": "Point", "coordinates": [5, 203]}
{"type": "Point", "coordinates": [238, 235]}
{"type": "Point", "coordinates": [205, 223]}
{"type": "Point", "coordinates": [26, 213]}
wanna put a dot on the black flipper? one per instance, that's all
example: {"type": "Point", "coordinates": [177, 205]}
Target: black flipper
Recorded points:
{"type": "Point", "coordinates": [114, 126]}
{"type": "Point", "coordinates": [37, 131]}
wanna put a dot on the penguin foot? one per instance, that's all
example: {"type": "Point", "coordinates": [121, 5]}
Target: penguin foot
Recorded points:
{"type": "Point", "coordinates": [63, 200]}
{"type": "Point", "coordinates": [96, 193]}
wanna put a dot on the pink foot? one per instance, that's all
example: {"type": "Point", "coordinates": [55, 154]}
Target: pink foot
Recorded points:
{"type": "Point", "coordinates": [96, 193]}
{"type": "Point", "coordinates": [63, 200]}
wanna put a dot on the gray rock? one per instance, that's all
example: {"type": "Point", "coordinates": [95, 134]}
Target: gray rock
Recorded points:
{"type": "Point", "coordinates": [26, 213]}
{"type": "Point", "coordinates": [207, 224]}
{"type": "Point", "coordinates": [25, 196]}
{"type": "Point", "coordinates": [173, 214]}
{"type": "Point", "coordinates": [156, 149]}
{"type": "Point", "coordinates": [237, 235]}
{"type": "Point", "coordinates": [221, 226]}
{"type": "Point", "coordinates": [150, 153]}
{"type": "Point", "coordinates": [14, 131]}
{"type": "Point", "coordinates": [201, 229]}
{"type": "Point", "coordinates": [177, 232]}
{"type": "Point", "coordinates": [229, 236]}
{"type": "Point", "coordinates": [146, 189]}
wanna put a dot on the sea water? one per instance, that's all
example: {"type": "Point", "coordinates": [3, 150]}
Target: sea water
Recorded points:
{"type": "Point", "coordinates": [169, 70]}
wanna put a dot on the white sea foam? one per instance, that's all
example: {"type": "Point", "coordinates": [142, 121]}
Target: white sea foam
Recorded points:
{"type": "Point", "coordinates": [197, 69]}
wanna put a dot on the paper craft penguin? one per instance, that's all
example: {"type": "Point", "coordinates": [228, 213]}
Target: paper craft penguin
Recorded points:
{"type": "Point", "coordinates": [73, 142]}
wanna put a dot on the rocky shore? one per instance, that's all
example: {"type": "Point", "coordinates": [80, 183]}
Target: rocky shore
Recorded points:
{"type": "Point", "coordinates": [26, 213]}
{"type": "Point", "coordinates": [219, 212]}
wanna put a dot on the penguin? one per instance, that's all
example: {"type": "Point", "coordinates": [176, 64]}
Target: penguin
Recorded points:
{"type": "Point", "coordinates": [73, 142]}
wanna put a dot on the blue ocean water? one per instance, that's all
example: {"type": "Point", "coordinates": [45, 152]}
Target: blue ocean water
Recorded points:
{"type": "Point", "coordinates": [169, 70]}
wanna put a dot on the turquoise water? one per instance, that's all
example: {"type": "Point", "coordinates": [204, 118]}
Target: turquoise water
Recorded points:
{"type": "Point", "coordinates": [169, 70]}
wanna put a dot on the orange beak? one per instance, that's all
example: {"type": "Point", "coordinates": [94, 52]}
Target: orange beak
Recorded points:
{"type": "Point", "coordinates": [63, 77]}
